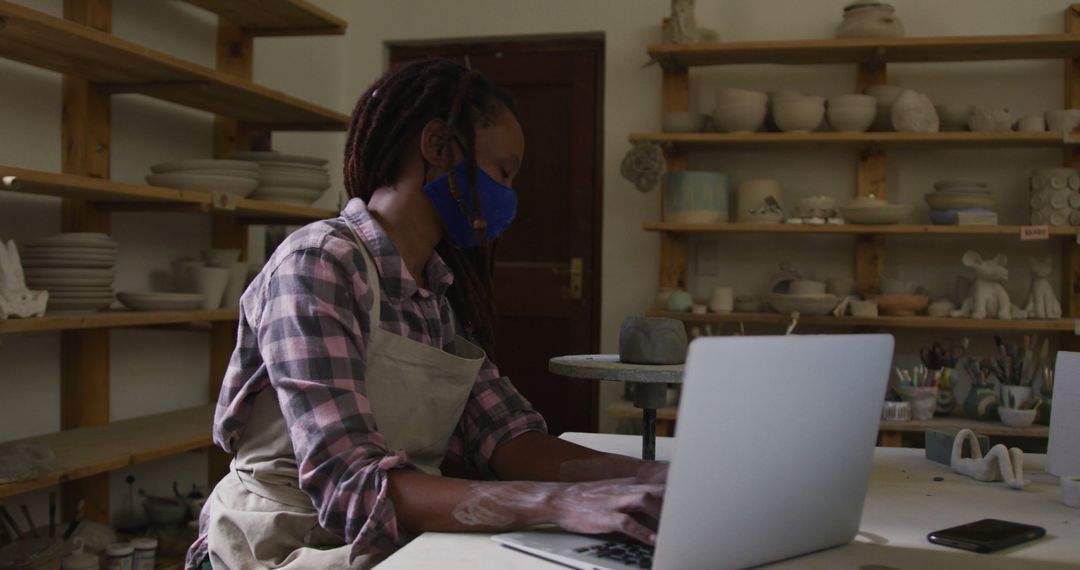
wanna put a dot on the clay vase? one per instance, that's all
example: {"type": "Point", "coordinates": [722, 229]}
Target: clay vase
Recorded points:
{"type": "Point", "coordinates": [946, 399]}
{"type": "Point", "coordinates": [981, 403]}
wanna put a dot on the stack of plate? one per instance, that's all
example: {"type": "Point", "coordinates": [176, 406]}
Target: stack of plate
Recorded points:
{"type": "Point", "coordinates": [76, 269]}
{"type": "Point", "coordinates": [236, 177]}
{"type": "Point", "coordinates": [951, 198]}
{"type": "Point", "coordinates": [287, 178]}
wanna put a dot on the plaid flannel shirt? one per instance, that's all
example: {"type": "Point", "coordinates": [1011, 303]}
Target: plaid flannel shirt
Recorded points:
{"type": "Point", "coordinates": [303, 325]}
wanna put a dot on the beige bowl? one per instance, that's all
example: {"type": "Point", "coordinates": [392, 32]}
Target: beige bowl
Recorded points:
{"type": "Point", "coordinates": [742, 118]}
{"type": "Point", "coordinates": [1017, 418]}
{"type": "Point", "coordinates": [798, 114]}
{"type": "Point", "coordinates": [902, 305]}
{"type": "Point", "coordinates": [851, 118]}
{"type": "Point", "coordinates": [852, 100]}
{"type": "Point", "coordinates": [733, 96]}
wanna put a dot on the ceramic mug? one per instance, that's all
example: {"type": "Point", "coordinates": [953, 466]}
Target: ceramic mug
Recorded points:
{"type": "Point", "coordinates": [1032, 124]}
{"type": "Point", "coordinates": [722, 300]}
{"type": "Point", "coordinates": [211, 282]}
{"type": "Point", "coordinates": [696, 197]}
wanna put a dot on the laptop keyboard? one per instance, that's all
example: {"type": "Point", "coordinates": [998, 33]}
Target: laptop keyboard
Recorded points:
{"type": "Point", "coordinates": [629, 552]}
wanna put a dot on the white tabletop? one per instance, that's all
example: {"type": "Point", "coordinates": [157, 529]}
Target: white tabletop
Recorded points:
{"type": "Point", "coordinates": [903, 504]}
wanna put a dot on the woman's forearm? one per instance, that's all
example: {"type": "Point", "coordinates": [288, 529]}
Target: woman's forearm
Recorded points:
{"type": "Point", "coordinates": [536, 456]}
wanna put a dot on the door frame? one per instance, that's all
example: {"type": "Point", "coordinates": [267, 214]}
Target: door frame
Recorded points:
{"type": "Point", "coordinates": [591, 42]}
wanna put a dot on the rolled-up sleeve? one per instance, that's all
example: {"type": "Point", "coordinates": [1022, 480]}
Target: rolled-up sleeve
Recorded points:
{"type": "Point", "coordinates": [495, 414]}
{"type": "Point", "coordinates": [311, 340]}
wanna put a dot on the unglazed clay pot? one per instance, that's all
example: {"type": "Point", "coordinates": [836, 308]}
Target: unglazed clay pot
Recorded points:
{"type": "Point", "coordinates": [650, 340]}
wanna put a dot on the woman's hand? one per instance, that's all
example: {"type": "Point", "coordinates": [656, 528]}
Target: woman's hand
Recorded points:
{"type": "Point", "coordinates": [610, 466]}
{"type": "Point", "coordinates": [616, 505]}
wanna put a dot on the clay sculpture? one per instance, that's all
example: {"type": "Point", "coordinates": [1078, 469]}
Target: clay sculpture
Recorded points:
{"type": "Point", "coordinates": [1000, 463]}
{"type": "Point", "coordinates": [15, 299]}
{"type": "Point", "coordinates": [1042, 303]}
{"type": "Point", "coordinates": [988, 295]}
{"type": "Point", "coordinates": [649, 340]}
{"type": "Point", "coordinates": [682, 28]}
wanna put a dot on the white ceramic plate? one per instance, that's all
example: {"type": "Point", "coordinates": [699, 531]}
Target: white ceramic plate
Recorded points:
{"type": "Point", "coordinates": [76, 295]}
{"type": "Point", "coordinates": [948, 201]}
{"type": "Point", "coordinates": [202, 164]}
{"type": "Point", "coordinates": [239, 187]}
{"type": "Point", "coordinates": [814, 305]}
{"type": "Point", "coordinates": [160, 301]}
{"type": "Point", "coordinates": [66, 273]}
{"type": "Point", "coordinates": [876, 215]}
{"type": "Point", "coordinates": [68, 264]}
{"type": "Point", "coordinates": [101, 290]}
{"type": "Point", "coordinates": [302, 196]}
{"type": "Point", "coordinates": [65, 256]}
{"type": "Point", "coordinates": [274, 156]}
{"type": "Point", "coordinates": [315, 182]}
{"type": "Point", "coordinates": [68, 250]}
{"type": "Point", "coordinates": [72, 283]}
{"type": "Point", "coordinates": [84, 240]}
{"type": "Point", "coordinates": [253, 174]}
{"type": "Point", "coordinates": [291, 168]}
{"type": "Point", "coordinates": [77, 305]}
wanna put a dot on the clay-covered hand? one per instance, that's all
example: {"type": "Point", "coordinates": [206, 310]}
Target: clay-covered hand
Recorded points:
{"type": "Point", "coordinates": [612, 466]}
{"type": "Point", "coordinates": [596, 507]}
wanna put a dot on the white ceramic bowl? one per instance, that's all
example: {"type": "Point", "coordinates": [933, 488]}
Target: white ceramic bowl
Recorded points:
{"type": "Point", "coordinates": [852, 100]}
{"type": "Point", "coordinates": [958, 201]}
{"type": "Point", "coordinates": [1016, 418]}
{"type": "Point", "coordinates": [733, 96]}
{"type": "Point", "coordinates": [802, 114]}
{"type": "Point", "coordinates": [850, 118]}
{"type": "Point", "coordinates": [806, 287]}
{"type": "Point", "coordinates": [812, 305]}
{"type": "Point", "coordinates": [160, 301]}
{"type": "Point", "coordinates": [684, 122]}
{"type": "Point", "coordinates": [876, 215]}
{"type": "Point", "coordinates": [955, 183]}
{"type": "Point", "coordinates": [739, 118]}
{"type": "Point", "coordinates": [1062, 120]}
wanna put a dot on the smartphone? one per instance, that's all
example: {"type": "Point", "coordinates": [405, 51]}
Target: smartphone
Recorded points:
{"type": "Point", "coordinates": [987, 535]}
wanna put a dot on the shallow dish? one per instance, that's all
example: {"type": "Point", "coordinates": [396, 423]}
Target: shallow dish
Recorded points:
{"type": "Point", "coordinates": [954, 183]}
{"type": "Point", "coordinates": [100, 290]}
{"type": "Point", "coordinates": [902, 305]}
{"type": "Point", "coordinates": [203, 164]}
{"type": "Point", "coordinates": [811, 305]}
{"type": "Point", "coordinates": [68, 273]}
{"type": "Point", "coordinates": [949, 201]}
{"type": "Point", "coordinates": [253, 174]}
{"type": "Point", "coordinates": [876, 215]}
{"type": "Point", "coordinates": [274, 156]}
{"type": "Point", "coordinates": [46, 256]}
{"type": "Point", "coordinates": [81, 295]}
{"type": "Point", "coordinates": [68, 263]}
{"type": "Point", "coordinates": [239, 187]}
{"type": "Point", "coordinates": [70, 282]}
{"type": "Point", "coordinates": [290, 167]}
{"type": "Point", "coordinates": [317, 182]}
{"type": "Point", "coordinates": [287, 195]}
{"type": "Point", "coordinates": [160, 301]}
{"type": "Point", "coordinates": [82, 240]}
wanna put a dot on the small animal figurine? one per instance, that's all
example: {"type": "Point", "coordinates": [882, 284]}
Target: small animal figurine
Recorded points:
{"type": "Point", "coordinates": [988, 295]}
{"type": "Point", "coordinates": [999, 463]}
{"type": "Point", "coordinates": [1042, 303]}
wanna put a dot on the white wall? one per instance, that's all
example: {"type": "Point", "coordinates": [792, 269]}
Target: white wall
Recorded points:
{"type": "Point", "coordinates": [152, 371]}
{"type": "Point", "coordinates": [158, 370]}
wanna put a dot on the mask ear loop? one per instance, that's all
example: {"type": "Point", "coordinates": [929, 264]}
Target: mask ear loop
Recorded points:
{"type": "Point", "coordinates": [476, 219]}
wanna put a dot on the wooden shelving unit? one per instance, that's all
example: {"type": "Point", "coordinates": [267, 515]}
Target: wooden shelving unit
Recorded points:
{"type": "Point", "coordinates": [849, 229]}
{"type": "Point", "coordinates": [870, 59]}
{"type": "Point", "coordinates": [115, 319]}
{"type": "Point", "coordinates": [989, 325]}
{"type": "Point", "coordinates": [760, 141]}
{"type": "Point", "coordinates": [109, 194]}
{"type": "Point", "coordinates": [87, 451]}
{"type": "Point", "coordinates": [120, 66]}
{"type": "Point", "coordinates": [868, 51]}
{"type": "Point", "coordinates": [276, 17]}
{"type": "Point", "coordinates": [95, 65]}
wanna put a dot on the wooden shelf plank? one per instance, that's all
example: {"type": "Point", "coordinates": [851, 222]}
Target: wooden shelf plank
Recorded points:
{"type": "Point", "coordinates": [1009, 139]}
{"type": "Point", "coordinates": [625, 409]}
{"type": "Point", "coordinates": [898, 50]}
{"type": "Point", "coordinates": [113, 319]}
{"type": "Point", "coordinates": [276, 17]}
{"type": "Point", "coordinates": [1059, 325]}
{"type": "Point", "coordinates": [898, 229]}
{"type": "Point", "coordinates": [121, 66]}
{"type": "Point", "coordinates": [120, 194]}
{"type": "Point", "coordinates": [87, 451]}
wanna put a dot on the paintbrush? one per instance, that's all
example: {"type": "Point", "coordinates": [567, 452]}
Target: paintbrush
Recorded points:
{"type": "Point", "coordinates": [10, 521]}
{"type": "Point", "coordinates": [52, 515]}
{"type": "Point", "coordinates": [5, 536]}
{"type": "Point", "coordinates": [30, 521]}
{"type": "Point", "coordinates": [74, 524]}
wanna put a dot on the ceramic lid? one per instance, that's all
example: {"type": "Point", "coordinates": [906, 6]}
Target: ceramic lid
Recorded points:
{"type": "Point", "coordinates": [144, 543]}
{"type": "Point", "coordinates": [119, 549]}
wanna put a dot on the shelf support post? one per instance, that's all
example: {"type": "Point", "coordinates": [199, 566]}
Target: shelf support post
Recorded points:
{"type": "Point", "coordinates": [674, 248]}
{"type": "Point", "coordinates": [870, 179]}
{"type": "Point", "coordinates": [84, 360]}
{"type": "Point", "coordinates": [1070, 270]}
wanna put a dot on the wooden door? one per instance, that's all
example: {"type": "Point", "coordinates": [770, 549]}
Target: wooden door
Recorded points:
{"type": "Point", "coordinates": [557, 87]}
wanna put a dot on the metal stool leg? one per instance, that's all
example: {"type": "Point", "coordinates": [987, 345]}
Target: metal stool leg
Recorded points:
{"type": "Point", "coordinates": [649, 397]}
{"type": "Point", "coordinates": [648, 436]}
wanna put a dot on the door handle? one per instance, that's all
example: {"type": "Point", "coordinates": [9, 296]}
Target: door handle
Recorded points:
{"type": "Point", "coordinates": [576, 271]}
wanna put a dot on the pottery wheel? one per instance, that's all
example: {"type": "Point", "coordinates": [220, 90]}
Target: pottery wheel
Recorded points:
{"type": "Point", "coordinates": [608, 367]}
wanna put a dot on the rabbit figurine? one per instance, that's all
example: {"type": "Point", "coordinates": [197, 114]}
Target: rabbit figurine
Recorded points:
{"type": "Point", "coordinates": [1042, 303]}
{"type": "Point", "coordinates": [988, 295]}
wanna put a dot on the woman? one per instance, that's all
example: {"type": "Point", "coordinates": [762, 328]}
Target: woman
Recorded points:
{"type": "Point", "coordinates": [349, 391]}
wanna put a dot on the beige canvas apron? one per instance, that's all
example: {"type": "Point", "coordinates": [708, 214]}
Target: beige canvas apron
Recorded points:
{"type": "Point", "coordinates": [259, 518]}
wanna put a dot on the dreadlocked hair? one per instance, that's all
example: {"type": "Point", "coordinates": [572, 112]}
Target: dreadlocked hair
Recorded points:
{"type": "Point", "coordinates": [388, 116]}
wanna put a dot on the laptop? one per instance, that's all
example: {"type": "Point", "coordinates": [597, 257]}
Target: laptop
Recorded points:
{"type": "Point", "coordinates": [772, 457]}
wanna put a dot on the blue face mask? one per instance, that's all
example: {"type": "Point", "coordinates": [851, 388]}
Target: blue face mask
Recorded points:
{"type": "Point", "coordinates": [499, 204]}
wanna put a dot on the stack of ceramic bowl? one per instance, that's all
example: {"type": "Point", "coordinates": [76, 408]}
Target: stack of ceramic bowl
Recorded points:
{"type": "Point", "coordinates": [954, 116]}
{"type": "Point", "coordinates": [1062, 120]}
{"type": "Point", "coordinates": [739, 110]}
{"type": "Point", "coordinates": [234, 177]}
{"type": "Point", "coordinates": [1055, 200]}
{"type": "Point", "coordinates": [871, 211]}
{"type": "Point", "coordinates": [77, 270]}
{"type": "Point", "coordinates": [803, 296]}
{"type": "Point", "coordinates": [798, 113]}
{"type": "Point", "coordinates": [954, 197]}
{"type": "Point", "coordinates": [886, 95]}
{"type": "Point", "coordinates": [851, 113]}
{"type": "Point", "coordinates": [287, 178]}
